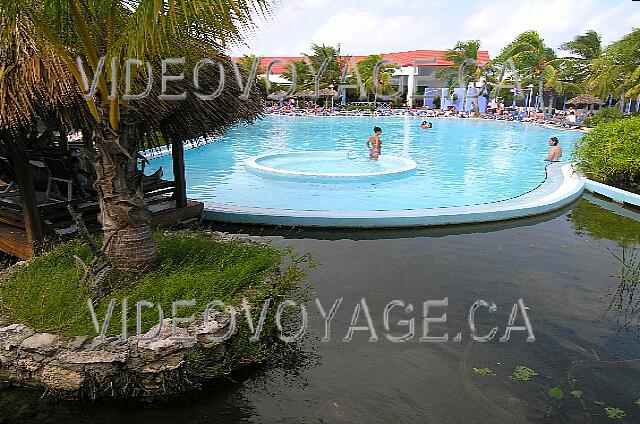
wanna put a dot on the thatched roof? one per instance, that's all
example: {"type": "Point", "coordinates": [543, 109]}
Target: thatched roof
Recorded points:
{"type": "Point", "coordinates": [327, 92]}
{"type": "Point", "coordinates": [304, 94]}
{"type": "Point", "coordinates": [585, 99]}
{"type": "Point", "coordinates": [277, 95]}
{"type": "Point", "coordinates": [192, 118]}
{"type": "Point", "coordinates": [35, 85]}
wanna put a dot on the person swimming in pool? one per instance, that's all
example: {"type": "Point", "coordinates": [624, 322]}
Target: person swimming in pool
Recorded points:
{"type": "Point", "coordinates": [374, 144]}
{"type": "Point", "coordinates": [556, 151]}
{"type": "Point", "coordinates": [426, 125]}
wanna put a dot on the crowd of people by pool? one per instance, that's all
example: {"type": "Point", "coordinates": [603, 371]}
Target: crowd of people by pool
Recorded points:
{"type": "Point", "coordinates": [563, 119]}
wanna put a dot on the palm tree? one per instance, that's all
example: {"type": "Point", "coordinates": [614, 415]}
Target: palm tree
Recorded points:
{"type": "Point", "coordinates": [584, 50]}
{"type": "Point", "coordinates": [535, 63]}
{"type": "Point", "coordinates": [464, 69]}
{"type": "Point", "coordinates": [322, 54]}
{"type": "Point", "coordinates": [464, 54]}
{"type": "Point", "coordinates": [304, 79]}
{"type": "Point", "coordinates": [366, 69]}
{"type": "Point", "coordinates": [584, 47]}
{"type": "Point", "coordinates": [146, 30]}
{"type": "Point", "coordinates": [617, 70]}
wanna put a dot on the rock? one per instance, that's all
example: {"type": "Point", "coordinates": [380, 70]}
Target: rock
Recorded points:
{"type": "Point", "coordinates": [76, 343]}
{"type": "Point", "coordinates": [59, 378]}
{"type": "Point", "coordinates": [13, 335]}
{"type": "Point", "coordinates": [98, 342]}
{"type": "Point", "coordinates": [167, 363]}
{"type": "Point", "coordinates": [43, 343]}
{"type": "Point", "coordinates": [29, 364]}
{"type": "Point", "coordinates": [162, 344]}
{"type": "Point", "coordinates": [92, 357]}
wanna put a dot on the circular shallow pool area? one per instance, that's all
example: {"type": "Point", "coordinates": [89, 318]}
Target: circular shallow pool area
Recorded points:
{"type": "Point", "coordinates": [296, 171]}
{"type": "Point", "coordinates": [329, 166]}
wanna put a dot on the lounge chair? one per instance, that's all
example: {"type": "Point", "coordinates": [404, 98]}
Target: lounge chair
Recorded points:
{"type": "Point", "coordinates": [61, 180]}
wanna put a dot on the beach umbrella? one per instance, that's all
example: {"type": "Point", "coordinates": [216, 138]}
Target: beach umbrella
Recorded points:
{"type": "Point", "coordinates": [585, 100]}
{"type": "Point", "coordinates": [277, 95]}
{"type": "Point", "coordinates": [328, 93]}
{"type": "Point", "coordinates": [304, 94]}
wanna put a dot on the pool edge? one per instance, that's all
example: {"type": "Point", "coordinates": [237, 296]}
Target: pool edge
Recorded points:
{"type": "Point", "coordinates": [561, 187]}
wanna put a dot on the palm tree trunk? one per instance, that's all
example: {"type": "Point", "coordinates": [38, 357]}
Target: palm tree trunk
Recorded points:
{"type": "Point", "coordinates": [541, 95]}
{"type": "Point", "coordinates": [125, 218]}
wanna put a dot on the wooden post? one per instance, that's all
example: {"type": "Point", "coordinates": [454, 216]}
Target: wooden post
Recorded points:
{"type": "Point", "coordinates": [177, 153]}
{"type": "Point", "coordinates": [30, 213]}
{"type": "Point", "coordinates": [64, 140]}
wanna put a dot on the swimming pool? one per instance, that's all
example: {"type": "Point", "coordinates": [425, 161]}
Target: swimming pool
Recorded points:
{"type": "Point", "coordinates": [459, 163]}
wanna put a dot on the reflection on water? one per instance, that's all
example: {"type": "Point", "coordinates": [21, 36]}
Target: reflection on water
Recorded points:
{"type": "Point", "coordinates": [625, 298]}
{"type": "Point", "coordinates": [559, 264]}
{"type": "Point", "coordinates": [600, 224]}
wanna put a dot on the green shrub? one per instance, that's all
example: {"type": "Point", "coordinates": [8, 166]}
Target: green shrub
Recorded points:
{"type": "Point", "coordinates": [610, 153]}
{"type": "Point", "coordinates": [605, 115]}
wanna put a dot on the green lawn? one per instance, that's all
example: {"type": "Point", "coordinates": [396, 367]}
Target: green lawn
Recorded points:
{"type": "Point", "coordinates": [194, 265]}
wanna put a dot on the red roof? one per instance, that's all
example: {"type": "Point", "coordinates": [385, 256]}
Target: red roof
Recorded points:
{"type": "Point", "coordinates": [401, 58]}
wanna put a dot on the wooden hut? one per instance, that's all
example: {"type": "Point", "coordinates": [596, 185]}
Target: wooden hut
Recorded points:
{"type": "Point", "coordinates": [40, 103]}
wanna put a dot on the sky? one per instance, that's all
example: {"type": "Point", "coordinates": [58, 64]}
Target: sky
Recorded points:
{"type": "Point", "coordinates": [363, 27]}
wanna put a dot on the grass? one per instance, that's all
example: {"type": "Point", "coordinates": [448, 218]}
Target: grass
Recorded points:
{"type": "Point", "coordinates": [194, 265]}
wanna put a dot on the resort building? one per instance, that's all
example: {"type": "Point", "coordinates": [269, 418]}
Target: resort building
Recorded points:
{"type": "Point", "coordinates": [416, 76]}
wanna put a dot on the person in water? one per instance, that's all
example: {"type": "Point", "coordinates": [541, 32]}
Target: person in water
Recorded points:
{"type": "Point", "coordinates": [556, 151]}
{"type": "Point", "coordinates": [374, 144]}
{"type": "Point", "coordinates": [426, 125]}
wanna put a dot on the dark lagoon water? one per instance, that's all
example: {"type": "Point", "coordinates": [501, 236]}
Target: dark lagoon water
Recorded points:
{"type": "Point", "coordinates": [566, 268]}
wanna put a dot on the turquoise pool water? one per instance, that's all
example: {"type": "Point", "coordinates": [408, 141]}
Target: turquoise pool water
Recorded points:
{"type": "Point", "coordinates": [460, 162]}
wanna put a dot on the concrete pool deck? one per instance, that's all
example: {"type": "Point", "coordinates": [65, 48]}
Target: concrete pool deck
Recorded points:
{"type": "Point", "coordinates": [561, 187]}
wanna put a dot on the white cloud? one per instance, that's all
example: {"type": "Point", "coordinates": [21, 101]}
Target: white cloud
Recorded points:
{"type": "Point", "coordinates": [379, 26]}
{"type": "Point", "coordinates": [363, 32]}
{"type": "Point", "coordinates": [307, 4]}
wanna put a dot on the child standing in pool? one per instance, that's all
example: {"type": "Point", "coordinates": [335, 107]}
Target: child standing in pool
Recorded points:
{"type": "Point", "coordinates": [374, 144]}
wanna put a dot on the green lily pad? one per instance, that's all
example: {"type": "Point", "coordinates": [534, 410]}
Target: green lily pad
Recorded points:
{"type": "Point", "coordinates": [614, 413]}
{"type": "Point", "coordinates": [484, 371]}
{"type": "Point", "coordinates": [523, 374]}
{"type": "Point", "coordinates": [556, 393]}
{"type": "Point", "coordinates": [576, 394]}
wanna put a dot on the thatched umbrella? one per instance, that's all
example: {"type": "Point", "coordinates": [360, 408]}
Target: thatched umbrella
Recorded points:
{"type": "Point", "coordinates": [328, 93]}
{"type": "Point", "coordinates": [37, 88]}
{"type": "Point", "coordinates": [304, 94]}
{"type": "Point", "coordinates": [584, 100]}
{"type": "Point", "coordinates": [35, 84]}
{"type": "Point", "coordinates": [277, 95]}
